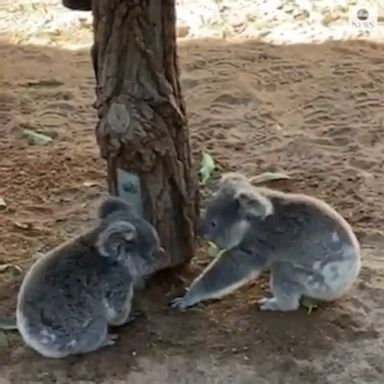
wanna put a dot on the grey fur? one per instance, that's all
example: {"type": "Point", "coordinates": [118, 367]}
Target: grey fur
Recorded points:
{"type": "Point", "coordinates": [71, 295]}
{"type": "Point", "coordinates": [310, 250]}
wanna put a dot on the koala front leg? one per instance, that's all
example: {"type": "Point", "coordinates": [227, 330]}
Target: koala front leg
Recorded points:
{"type": "Point", "coordinates": [119, 303]}
{"type": "Point", "coordinates": [231, 270]}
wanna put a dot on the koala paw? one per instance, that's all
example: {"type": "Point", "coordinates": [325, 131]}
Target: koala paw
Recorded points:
{"type": "Point", "coordinates": [180, 303]}
{"type": "Point", "coordinates": [272, 304]}
{"type": "Point", "coordinates": [269, 304]}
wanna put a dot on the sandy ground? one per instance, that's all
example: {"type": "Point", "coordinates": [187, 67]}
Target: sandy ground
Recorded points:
{"type": "Point", "coordinates": [313, 111]}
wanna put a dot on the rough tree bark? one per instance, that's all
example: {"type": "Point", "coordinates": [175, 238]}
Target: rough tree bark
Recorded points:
{"type": "Point", "coordinates": [142, 127]}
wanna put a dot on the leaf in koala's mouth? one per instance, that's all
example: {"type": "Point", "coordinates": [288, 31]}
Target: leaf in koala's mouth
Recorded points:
{"type": "Point", "coordinates": [214, 250]}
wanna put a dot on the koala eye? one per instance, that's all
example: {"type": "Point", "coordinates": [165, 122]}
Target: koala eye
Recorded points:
{"type": "Point", "coordinates": [213, 224]}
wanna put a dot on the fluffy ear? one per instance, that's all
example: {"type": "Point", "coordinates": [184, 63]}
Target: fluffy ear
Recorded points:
{"type": "Point", "coordinates": [111, 205]}
{"type": "Point", "coordinates": [115, 234]}
{"type": "Point", "coordinates": [232, 179]}
{"type": "Point", "coordinates": [253, 204]}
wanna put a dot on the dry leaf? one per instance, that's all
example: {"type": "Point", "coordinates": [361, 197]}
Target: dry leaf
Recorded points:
{"type": "Point", "coordinates": [269, 176]}
{"type": "Point", "coordinates": [36, 138]}
{"type": "Point", "coordinates": [18, 224]}
{"type": "Point", "coordinates": [90, 183]}
{"type": "Point", "coordinates": [13, 267]}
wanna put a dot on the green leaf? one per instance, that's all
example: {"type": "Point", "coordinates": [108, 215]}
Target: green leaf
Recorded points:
{"type": "Point", "coordinates": [36, 138]}
{"type": "Point", "coordinates": [17, 270]}
{"type": "Point", "coordinates": [213, 250]}
{"type": "Point", "coordinates": [207, 167]}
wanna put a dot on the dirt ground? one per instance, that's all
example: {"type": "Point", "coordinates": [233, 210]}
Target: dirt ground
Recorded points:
{"type": "Point", "coordinates": [313, 111]}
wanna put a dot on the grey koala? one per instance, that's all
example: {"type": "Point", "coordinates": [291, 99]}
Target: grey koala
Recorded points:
{"type": "Point", "coordinates": [72, 294]}
{"type": "Point", "coordinates": [310, 250]}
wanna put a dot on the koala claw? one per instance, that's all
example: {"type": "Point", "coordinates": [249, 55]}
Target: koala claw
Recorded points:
{"type": "Point", "coordinates": [180, 303]}
{"type": "Point", "coordinates": [269, 304]}
{"type": "Point", "coordinates": [134, 315]}
{"type": "Point", "coordinates": [263, 300]}
{"type": "Point", "coordinates": [110, 340]}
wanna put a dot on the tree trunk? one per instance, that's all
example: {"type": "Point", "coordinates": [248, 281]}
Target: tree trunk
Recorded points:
{"type": "Point", "coordinates": [142, 129]}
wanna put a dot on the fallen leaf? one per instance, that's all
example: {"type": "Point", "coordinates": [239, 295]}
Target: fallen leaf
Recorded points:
{"type": "Point", "coordinates": [309, 304]}
{"type": "Point", "coordinates": [207, 167]}
{"type": "Point", "coordinates": [13, 267]}
{"type": "Point", "coordinates": [4, 267]}
{"type": "Point", "coordinates": [90, 183]}
{"type": "Point", "coordinates": [35, 138]}
{"type": "Point", "coordinates": [268, 176]}
{"type": "Point", "coordinates": [21, 225]}
{"type": "Point", "coordinates": [3, 204]}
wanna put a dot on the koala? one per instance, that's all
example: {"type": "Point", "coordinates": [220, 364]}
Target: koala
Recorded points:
{"type": "Point", "coordinates": [310, 250]}
{"type": "Point", "coordinates": [70, 296]}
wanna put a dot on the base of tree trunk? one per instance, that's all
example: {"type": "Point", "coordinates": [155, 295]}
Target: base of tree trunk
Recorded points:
{"type": "Point", "coordinates": [142, 130]}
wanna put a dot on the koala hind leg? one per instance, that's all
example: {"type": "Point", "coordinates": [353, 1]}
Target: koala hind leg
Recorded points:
{"type": "Point", "coordinates": [89, 339]}
{"type": "Point", "coordinates": [109, 340]}
{"type": "Point", "coordinates": [286, 291]}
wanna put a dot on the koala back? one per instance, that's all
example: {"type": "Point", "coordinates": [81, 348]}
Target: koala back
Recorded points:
{"type": "Point", "coordinates": [302, 227]}
{"type": "Point", "coordinates": [63, 290]}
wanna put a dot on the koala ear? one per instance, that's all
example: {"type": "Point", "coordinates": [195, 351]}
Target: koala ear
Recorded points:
{"type": "Point", "coordinates": [111, 205]}
{"type": "Point", "coordinates": [231, 180]}
{"type": "Point", "coordinates": [113, 235]}
{"type": "Point", "coordinates": [253, 204]}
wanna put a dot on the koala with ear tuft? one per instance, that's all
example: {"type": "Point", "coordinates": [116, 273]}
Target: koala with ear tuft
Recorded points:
{"type": "Point", "coordinates": [309, 249]}
{"type": "Point", "coordinates": [70, 296]}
